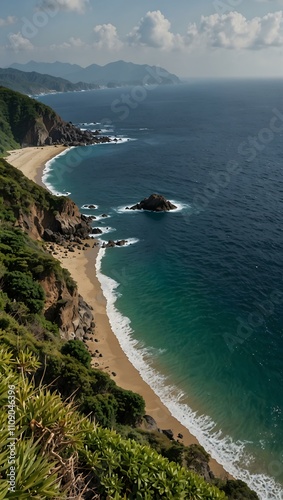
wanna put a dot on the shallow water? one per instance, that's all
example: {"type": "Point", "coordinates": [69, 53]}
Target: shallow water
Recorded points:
{"type": "Point", "coordinates": [196, 298]}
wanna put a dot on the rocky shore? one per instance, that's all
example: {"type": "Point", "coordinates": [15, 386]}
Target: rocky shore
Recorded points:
{"type": "Point", "coordinates": [86, 318]}
{"type": "Point", "coordinates": [55, 131]}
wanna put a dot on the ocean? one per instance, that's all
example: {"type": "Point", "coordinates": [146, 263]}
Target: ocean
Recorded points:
{"type": "Point", "coordinates": [196, 296]}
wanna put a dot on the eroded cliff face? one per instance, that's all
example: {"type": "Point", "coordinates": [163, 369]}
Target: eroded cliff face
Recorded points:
{"type": "Point", "coordinates": [49, 128]}
{"type": "Point", "coordinates": [63, 305]}
{"type": "Point", "coordinates": [66, 223]}
{"type": "Point", "coordinates": [67, 309]}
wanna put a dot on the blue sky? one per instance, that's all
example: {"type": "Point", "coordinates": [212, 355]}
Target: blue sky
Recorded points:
{"type": "Point", "coordinates": [192, 38]}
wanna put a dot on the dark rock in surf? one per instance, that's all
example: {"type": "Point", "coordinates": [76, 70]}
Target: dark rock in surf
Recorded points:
{"type": "Point", "coordinates": [154, 203]}
{"type": "Point", "coordinates": [169, 433]}
{"type": "Point", "coordinates": [121, 243]}
{"type": "Point", "coordinates": [112, 243]}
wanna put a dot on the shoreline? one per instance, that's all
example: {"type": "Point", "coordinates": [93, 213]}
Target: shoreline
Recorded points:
{"type": "Point", "coordinates": [31, 161]}
{"type": "Point", "coordinates": [82, 266]}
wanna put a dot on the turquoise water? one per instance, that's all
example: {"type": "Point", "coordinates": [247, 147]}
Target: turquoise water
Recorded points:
{"type": "Point", "coordinates": [196, 298]}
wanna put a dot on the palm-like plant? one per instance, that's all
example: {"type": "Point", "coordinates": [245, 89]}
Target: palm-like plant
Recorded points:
{"type": "Point", "coordinates": [46, 434]}
{"type": "Point", "coordinates": [52, 439]}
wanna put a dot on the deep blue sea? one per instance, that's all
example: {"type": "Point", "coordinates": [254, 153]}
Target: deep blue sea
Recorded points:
{"type": "Point", "coordinates": [196, 298]}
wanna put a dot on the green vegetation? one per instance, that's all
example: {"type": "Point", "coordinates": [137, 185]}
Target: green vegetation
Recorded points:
{"type": "Point", "coordinates": [22, 288]}
{"type": "Point", "coordinates": [65, 367]}
{"type": "Point", "coordinates": [23, 264]}
{"type": "Point", "coordinates": [76, 348]}
{"type": "Point", "coordinates": [35, 83]}
{"type": "Point", "coordinates": [17, 115]}
{"type": "Point", "coordinates": [54, 444]}
{"type": "Point", "coordinates": [236, 490]}
{"type": "Point", "coordinates": [61, 453]}
{"type": "Point", "coordinates": [18, 194]}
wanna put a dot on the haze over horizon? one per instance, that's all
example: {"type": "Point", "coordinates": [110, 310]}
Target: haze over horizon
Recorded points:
{"type": "Point", "coordinates": [220, 38]}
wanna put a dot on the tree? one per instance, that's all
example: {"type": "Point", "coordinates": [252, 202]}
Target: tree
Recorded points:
{"type": "Point", "coordinates": [22, 288]}
{"type": "Point", "coordinates": [77, 349]}
{"type": "Point", "coordinates": [131, 406]}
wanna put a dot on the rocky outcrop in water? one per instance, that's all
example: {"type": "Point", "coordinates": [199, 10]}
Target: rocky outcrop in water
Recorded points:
{"type": "Point", "coordinates": [154, 203]}
{"type": "Point", "coordinates": [111, 243]}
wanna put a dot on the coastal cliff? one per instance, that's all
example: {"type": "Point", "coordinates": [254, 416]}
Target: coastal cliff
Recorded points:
{"type": "Point", "coordinates": [35, 210]}
{"type": "Point", "coordinates": [43, 321]}
{"type": "Point", "coordinates": [42, 311]}
{"type": "Point", "coordinates": [45, 217]}
{"type": "Point", "coordinates": [66, 308]}
{"type": "Point", "coordinates": [62, 224]}
{"type": "Point", "coordinates": [27, 122]}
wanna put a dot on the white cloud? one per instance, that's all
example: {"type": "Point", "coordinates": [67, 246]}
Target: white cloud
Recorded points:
{"type": "Point", "coordinates": [234, 31]}
{"type": "Point", "coordinates": [8, 21]}
{"type": "Point", "coordinates": [106, 36]}
{"type": "Point", "coordinates": [72, 5]}
{"type": "Point", "coordinates": [153, 30]}
{"type": "Point", "coordinates": [76, 42]}
{"type": "Point", "coordinates": [227, 31]}
{"type": "Point", "coordinates": [18, 43]}
{"type": "Point", "coordinates": [71, 43]}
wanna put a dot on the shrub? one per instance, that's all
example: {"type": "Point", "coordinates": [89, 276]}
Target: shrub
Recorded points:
{"type": "Point", "coordinates": [131, 406]}
{"type": "Point", "coordinates": [21, 287]}
{"type": "Point", "coordinates": [77, 349]}
{"type": "Point", "coordinates": [236, 490]}
{"type": "Point", "coordinates": [59, 454]}
{"type": "Point", "coordinates": [103, 407]}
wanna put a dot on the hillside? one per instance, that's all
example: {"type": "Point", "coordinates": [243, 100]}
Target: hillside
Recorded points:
{"type": "Point", "coordinates": [77, 434]}
{"type": "Point", "coordinates": [59, 449]}
{"type": "Point", "coordinates": [27, 122]}
{"type": "Point", "coordinates": [113, 74]}
{"type": "Point", "coordinates": [33, 83]}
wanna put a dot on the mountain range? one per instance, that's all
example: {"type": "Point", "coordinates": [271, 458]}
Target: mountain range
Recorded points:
{"type": "Point", "coordinates": [32, 83]}
{"type": "Point", "coordinates": [113, 74]}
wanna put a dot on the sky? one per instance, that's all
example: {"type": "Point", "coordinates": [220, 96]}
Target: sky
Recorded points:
{"type": "Point", "coordinates": [191, 38]}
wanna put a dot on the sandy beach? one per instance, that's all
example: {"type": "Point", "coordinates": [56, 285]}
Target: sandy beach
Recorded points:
{"type": "Point", "coordinates": [81, 264]}
{"type": "Point", "coordinates": [31, 161]}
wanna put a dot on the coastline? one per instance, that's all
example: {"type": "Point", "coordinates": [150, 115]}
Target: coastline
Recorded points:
{"type": "Point", "coordinates": [82, 266]}
{"type": "Point", "coordinates": [31, 161]}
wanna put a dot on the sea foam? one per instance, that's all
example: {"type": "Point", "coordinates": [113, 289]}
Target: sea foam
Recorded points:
{"type": "Point", "coordinates": [180, 207]}
{"type": "Point", "coordinates": [104, 230]}
{"type": "Point", "coordinates": [232, 455]}
{"type": "Point", "coordinates": [86, 206]}
{"type": "Point", "coordinates": [129, 241]}
{"type": "Point", "coordinates": [46, 172]}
